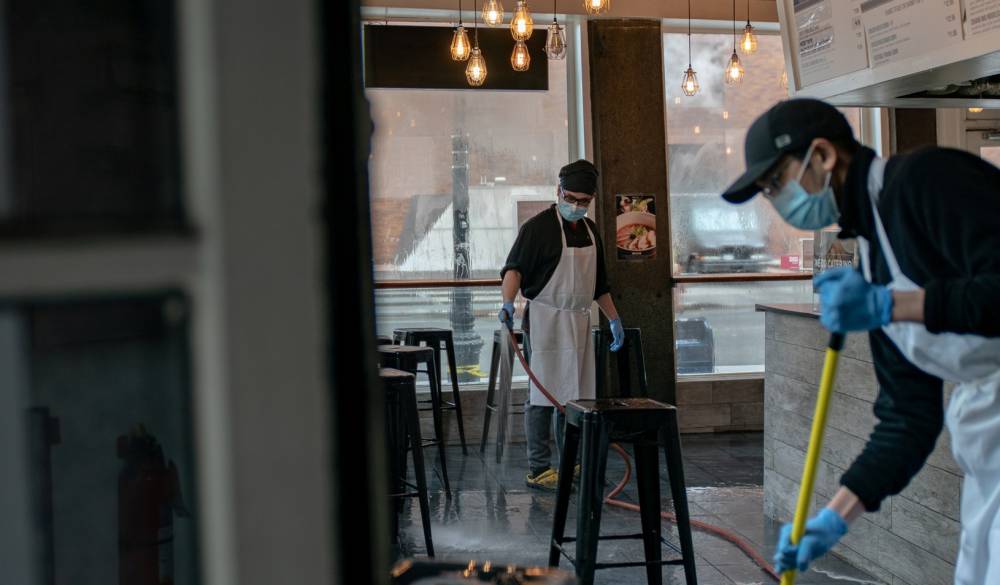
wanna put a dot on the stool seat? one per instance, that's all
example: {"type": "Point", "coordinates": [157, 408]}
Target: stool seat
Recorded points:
{"type": "Point", "coordinates": [405, 350]}
{"type": "Point", "coordinates": [393, 375]}
{"type": "Point", "coordinates": [382, 340]}
{"type": "Point", "coordinates": [627, 415]}
{"type": "Point", "coordinates": [421, 330]}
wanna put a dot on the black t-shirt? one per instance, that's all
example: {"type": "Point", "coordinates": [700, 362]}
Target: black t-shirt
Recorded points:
{"type": "Point", "coordinates": [941, 211]}
{"type": "Point", "coordinates": [538, 248]}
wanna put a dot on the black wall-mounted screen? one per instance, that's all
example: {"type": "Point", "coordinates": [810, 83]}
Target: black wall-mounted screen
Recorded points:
{"type": "Point", "coordinates": [417, 57]}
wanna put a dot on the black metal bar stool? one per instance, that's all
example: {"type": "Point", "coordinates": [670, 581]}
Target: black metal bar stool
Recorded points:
{"type": "Point", "coordinates": [503, 405]}
{"type": "Point", "coordinates": [383, 340]}
{"type": "Point", "coordinates": [632, 347]}
{"type": "Point", "coordinates": [646, 424]}
{"type": "Point", "coordinates": [403, 434]}
{"type": "Point", "coordinates": [434, 337]}
{"type": "Point", "coordinates": [409, 358]}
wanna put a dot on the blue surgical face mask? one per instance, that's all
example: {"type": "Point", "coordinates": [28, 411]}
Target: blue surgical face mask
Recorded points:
{"type": "Point", "coordinates": [807, 211]}
{"type": "Point", "coordinates": [571, 212]}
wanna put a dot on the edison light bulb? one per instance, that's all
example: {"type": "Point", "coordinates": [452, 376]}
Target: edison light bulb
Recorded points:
{"type": "Point", "coordinates": [493, 12]}
{"type": "Point", "coordinates": [520, 59]}
{"type": "Point", "coordinates": [748, 44]}
{"type": "Point", "coordinates": [734, 71]}
{"type": "Point", "coordinates": [475, 71]}
{"type": "Point", "coordinates": [596, 6]}
{"type": "Point", "coordinates": [690, 84]}
{"type": "Point", "coordinates": [555, 42]}
{"type": "Point", "coordinates": [784, 80]}
{"type": "Point", "coordinates": [975, 110]}
{"type": "Point", "coordinates": [521, 26]}
{"type": "Point", "coordinates": [460, 44]}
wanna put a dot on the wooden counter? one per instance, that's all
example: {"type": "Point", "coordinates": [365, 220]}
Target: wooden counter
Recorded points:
{"type": "Point", "coordinates": [913, 538]}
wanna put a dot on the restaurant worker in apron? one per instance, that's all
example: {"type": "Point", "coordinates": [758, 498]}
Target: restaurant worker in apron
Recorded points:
{"type": "Point", "coordinates": [557, 264]}
{"type": "Point", "coordinates": [928, 294]}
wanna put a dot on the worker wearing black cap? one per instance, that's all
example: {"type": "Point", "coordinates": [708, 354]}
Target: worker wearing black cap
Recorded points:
{"type": "Point", "coordinates": [557, 264]}
{"type": "Point", "coordinates": [928, 292]}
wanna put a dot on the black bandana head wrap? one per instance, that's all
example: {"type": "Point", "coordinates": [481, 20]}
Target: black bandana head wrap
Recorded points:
{"type": "Point", "coordinates": [579, 177]}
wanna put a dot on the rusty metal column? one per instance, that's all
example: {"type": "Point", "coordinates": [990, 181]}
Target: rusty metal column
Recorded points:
{"type": "Point", "coordinates": [629, 133]}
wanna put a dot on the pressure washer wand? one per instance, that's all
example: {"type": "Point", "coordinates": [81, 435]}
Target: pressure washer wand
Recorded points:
{"type": "Point", "coordinates": [815, 444]}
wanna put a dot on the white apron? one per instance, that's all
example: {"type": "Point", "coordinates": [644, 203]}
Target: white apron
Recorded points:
{"type": "Point", "coordinates": [973, 418]}
{"type": "Point", "coordinates": [562, 353]}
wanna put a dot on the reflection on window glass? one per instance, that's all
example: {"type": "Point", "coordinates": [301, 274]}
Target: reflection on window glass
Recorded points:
{"type": "Point", "coordinates": [717, 329]}
{"type": "Point", "coordinates": [103, 389]}
{"type": "Point", "coordinates": [91, 118]}
{"type": "Point", "coordinates": [433, 148]}
{"type": "Point", "coordinates": [705, 134]}
{"type": "Point", "coordinates": [453, 174]}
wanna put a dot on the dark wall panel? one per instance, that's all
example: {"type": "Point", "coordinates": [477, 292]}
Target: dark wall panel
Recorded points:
{"type": "Point", "coordinates": [417, 57]}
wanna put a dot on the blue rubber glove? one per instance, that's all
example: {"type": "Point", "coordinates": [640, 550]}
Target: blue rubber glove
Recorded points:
{"type": "Point", "coordinates": [506, 314]}
{"type": "Point", "coordinates": [848, 302]}
{"type": "Point", "coordinates": [822, 532]}
{"type": "Point", "coordinates": [618, 333]}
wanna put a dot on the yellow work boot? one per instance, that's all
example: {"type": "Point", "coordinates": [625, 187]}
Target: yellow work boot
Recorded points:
{"type": "Point", "coordinates": [547, 480]}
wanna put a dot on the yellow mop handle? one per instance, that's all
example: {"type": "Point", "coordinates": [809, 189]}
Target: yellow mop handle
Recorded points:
{"type": "Point", "coordinates": [815, 445]}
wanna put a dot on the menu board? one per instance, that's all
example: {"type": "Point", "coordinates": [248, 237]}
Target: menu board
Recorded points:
{"type": "Point", "coordinates": [901, 29]}
{"type": "Point", "coordinates": [981, 16]}
{"type": "Point", "coordinates": [831, 40]}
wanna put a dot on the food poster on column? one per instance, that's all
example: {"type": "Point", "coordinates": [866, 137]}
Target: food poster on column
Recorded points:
{"type": "Point", "coordinates": [636, 226]}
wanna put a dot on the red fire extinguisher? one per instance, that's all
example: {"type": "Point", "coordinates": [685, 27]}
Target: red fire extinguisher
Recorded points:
{"type": "Point", "coordinates": [148, 497]}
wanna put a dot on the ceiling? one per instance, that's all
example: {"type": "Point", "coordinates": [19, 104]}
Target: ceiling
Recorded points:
{"type": "Point", "coordinates": [760, 10]}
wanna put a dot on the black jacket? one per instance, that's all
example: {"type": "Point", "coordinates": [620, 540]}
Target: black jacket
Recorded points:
{"type": "Point", "coordinates": [941, 211]}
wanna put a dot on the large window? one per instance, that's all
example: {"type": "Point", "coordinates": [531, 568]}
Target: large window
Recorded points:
{"type": "Point", "coordinates": [491, 157]}
{"type": "Point", "coordinates": [718, 330]}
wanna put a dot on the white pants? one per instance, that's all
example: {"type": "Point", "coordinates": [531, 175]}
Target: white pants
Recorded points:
{"type": "Point", "coordinates": [974, 422]}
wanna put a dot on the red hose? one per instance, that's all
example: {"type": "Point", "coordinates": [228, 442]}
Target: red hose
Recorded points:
{"type": "Point", "coordinates": [720, 532]}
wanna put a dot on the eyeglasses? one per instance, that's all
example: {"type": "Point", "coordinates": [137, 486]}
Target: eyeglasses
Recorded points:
{"type": "Point", "coordinates": [771, 184]}
{"type": "Point", "coordinates": [581, 202]}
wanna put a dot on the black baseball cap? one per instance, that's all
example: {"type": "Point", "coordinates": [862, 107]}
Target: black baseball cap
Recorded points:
{"type": "Point", "coordinates": [787, 127]}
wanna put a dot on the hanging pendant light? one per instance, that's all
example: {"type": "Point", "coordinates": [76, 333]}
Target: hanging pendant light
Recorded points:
{"type": "Point", "coordinates": [555, 41]}
{"type": "Point", "coordinates": [520, 59]}
{"type": "Point", "coordinates": [475, 70]}
{"type": "Point", "coordinates": [690, 83]}
{"type": "Point", "coordinates": [521, 25]}
{"type": "Point", "coordinates": [748, 44]}
{"type": "Point", "coordinates": [460, 47]}
{"type": "Point", "coordinates": [595, 7]}
{"type": "Point", "coordinates": [493, 12]}
{"type": "Point", "coordinates": [734, 70]}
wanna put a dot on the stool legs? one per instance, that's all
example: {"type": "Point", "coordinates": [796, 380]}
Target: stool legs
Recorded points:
{"type": "Point", "coordinates": [571, 444]}
{"type": "Point", "coordinates": [675, 469]}
{"type": "Point", "coordinates": [435, 384]}
{"type": "Point", "coordinates": [490, 395]}
{"type": "Point", "coordinates": [647, 475]}
{"type": "Point", "coordinates": [594, 458]}
{"type": "Point", "coordinates": [506, 390]}
{"type": "Point", "coordinates": [450, 350]}
{"type": "Point", "coordinates": [413, 427]}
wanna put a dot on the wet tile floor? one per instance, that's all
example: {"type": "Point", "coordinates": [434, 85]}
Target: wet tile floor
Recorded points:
{"type": "Point", "coordinates": [492, 515]}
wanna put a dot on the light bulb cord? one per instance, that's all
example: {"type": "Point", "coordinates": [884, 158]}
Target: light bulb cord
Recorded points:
{"type": "Point", "coordinates": [748, 13]}
{"type": "Point", "coordinates": [734, 27]}
{"type": "Point", "coordinates": [554, 12]}
{"type": "Point", "coordinates": [689, 34]}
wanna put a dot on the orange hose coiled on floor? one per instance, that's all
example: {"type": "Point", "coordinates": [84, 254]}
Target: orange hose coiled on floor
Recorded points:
{"type": "Point", "coordinates": [611, 500]}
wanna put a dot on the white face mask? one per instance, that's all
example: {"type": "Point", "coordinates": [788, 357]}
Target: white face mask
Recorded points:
{"type": "Point", "coordinates": [804, 210]}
